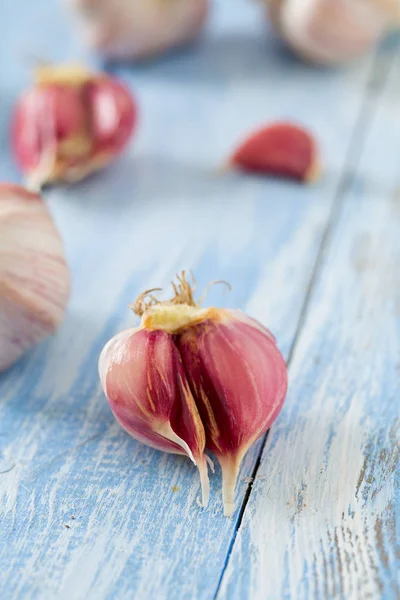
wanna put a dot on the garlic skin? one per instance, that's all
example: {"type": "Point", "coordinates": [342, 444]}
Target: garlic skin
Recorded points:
{"type": "Point", "coordinates": [191, 378]}
{"type": "Point", "coordinates": [70, 124]}
{"type": "Point", "coordinates": [34, 277]}
{"type": "Point", "coordinates": [146, 386]}
{"type": "Point", "coordinates": [331, 32]}
{"type": "Point", "coordinates": [138, 29]}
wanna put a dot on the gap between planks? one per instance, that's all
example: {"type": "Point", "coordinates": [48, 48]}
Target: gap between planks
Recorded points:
{"type": "Point", "coordinates": [369, 106]}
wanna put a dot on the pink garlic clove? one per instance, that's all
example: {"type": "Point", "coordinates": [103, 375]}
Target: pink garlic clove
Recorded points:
{"type": "Point", "coordinates": [281, 149]}
{"type": "Point", "coordinates": [70, 124]}
{"type": "Point", "coordinates": [145, 383]}
{"type": "Point", "coordinates": [238, 378]}
{"type": "Point", "coordinates": [34, 277]}
{"type": "Point", "coordinates": [111, 115]}
{"type": "Point", "coordinates": [137, 29]}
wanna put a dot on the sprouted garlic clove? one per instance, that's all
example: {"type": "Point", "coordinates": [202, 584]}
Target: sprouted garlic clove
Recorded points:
{"type": "Point", "coordinates": [214, 378]}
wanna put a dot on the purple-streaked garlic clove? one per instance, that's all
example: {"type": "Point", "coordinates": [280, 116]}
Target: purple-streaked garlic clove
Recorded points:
{"type": "Point", "coordinates": [34, 277]}
{"type": "Point", "coordinates": [145, 383]}
{"type": "Point", "coordinates": [239, 381]}
{"type": "Point", "coordinates": [190, 378]}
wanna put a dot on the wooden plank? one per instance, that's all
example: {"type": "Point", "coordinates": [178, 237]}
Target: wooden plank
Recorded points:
{"type": "Point", "coordinates": [158, 210]}
{"type": "Point", "coordinates": [323, 519]}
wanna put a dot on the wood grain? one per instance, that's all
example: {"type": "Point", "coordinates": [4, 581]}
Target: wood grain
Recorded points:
{"type": "Point", "coordinates": [323, 520]}
{"type": "Point", "coordinates": [86, 512]}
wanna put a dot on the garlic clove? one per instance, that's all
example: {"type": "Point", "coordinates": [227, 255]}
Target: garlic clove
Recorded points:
{"type": "Point", "coordinates": [331, 31]}
{"type": "Point", "coordinates": [34, 277]}
{"type": "Point", "coordinates": [281, 149]}
{"type": "Point", "coordinates": [238, 378]}
{"type": "Point", "coordinates": [137, 29]}
{"type": "Point", "coordinates": [145, 383]}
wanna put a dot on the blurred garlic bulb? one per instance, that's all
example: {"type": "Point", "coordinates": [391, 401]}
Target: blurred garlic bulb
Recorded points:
{"type": "Point", "coordinates": [34, 277]}
{"type": "Point", "coordinates": [136, 29]}
{"type": "Point", "coordinates": [333, 31]}
{"type": "Point", "coordinates": [70, 124]}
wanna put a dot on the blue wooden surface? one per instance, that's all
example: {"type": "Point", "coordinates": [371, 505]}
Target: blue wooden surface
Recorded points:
{"type": "Point", "coordinates": [332, 526]}
{"type": "Point", "coordinates": [291, 255]}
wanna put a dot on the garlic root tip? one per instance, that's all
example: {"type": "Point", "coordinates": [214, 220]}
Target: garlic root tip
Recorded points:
{"type": "Point", "coordinates": [230, 470]}
{"type": "Point", "coordinates": [210, 463]}
{"type": "Point", "coordinates": [205, 483]}
{"type": "Point", "coordinates": [229, 509]}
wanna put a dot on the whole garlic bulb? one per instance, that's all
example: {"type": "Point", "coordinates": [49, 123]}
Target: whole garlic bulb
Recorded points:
{"type": "Point", "coordinates": [190, 379]}
{"type": "Point", "coordinates": [333, 31]}
{"type": "Point", "coordinates": [34, 277]}
{"type": "Point", "coordinates": [136, 29]}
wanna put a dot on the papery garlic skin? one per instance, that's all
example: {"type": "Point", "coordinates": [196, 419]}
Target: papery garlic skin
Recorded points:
{"type": "Point", "coordinates": [137, 29]}
{"type": "Point", "coordinates": [191, 378]}
{"type": "Point", "coordinates": [332, 31]}
{"type": "Point", "coordinates": [34, 276]}
{"type": "Point", "coordinates": [144, 381]}
{"type": "Point", "coordinates": [70, 124]}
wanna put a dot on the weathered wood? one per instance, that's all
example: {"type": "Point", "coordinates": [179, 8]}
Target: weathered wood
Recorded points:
{"type": "Point", "coordinates": [158, 210]}
{"type": "Point", "coordinates": [323, 519]}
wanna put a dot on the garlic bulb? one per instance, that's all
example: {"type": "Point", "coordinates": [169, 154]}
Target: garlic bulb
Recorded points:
{"type": "Point", "coordinates": [70, 124]}
{"type": "Point", "coordinates": [333, 31]}
{"type": "Point", "coordinates": [34, 277]}
{"type": "Point", "coordinates": [136, 29]}
{"type": "Point", "coordinates": [191, 378]}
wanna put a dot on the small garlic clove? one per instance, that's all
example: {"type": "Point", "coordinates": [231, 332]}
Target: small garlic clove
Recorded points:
{"type": "Point", "coordinates": [238, 378]}
{"type": "Point", "coordinates": [70, 124]}
{"type": "Point", "coordinates": [281, 150]}
{"type": "Point", "coordinates": [137, 29]}
{"type": "Point", "coordinates": [145, 383]}
{"type": "Point", "coordinates": [331, 31]}
{"type": "Point", "coordinates": [34, 277]}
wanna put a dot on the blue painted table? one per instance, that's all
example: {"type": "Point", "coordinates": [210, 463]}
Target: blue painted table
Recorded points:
{"type": "Point", "coordinates": [319, 501]}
